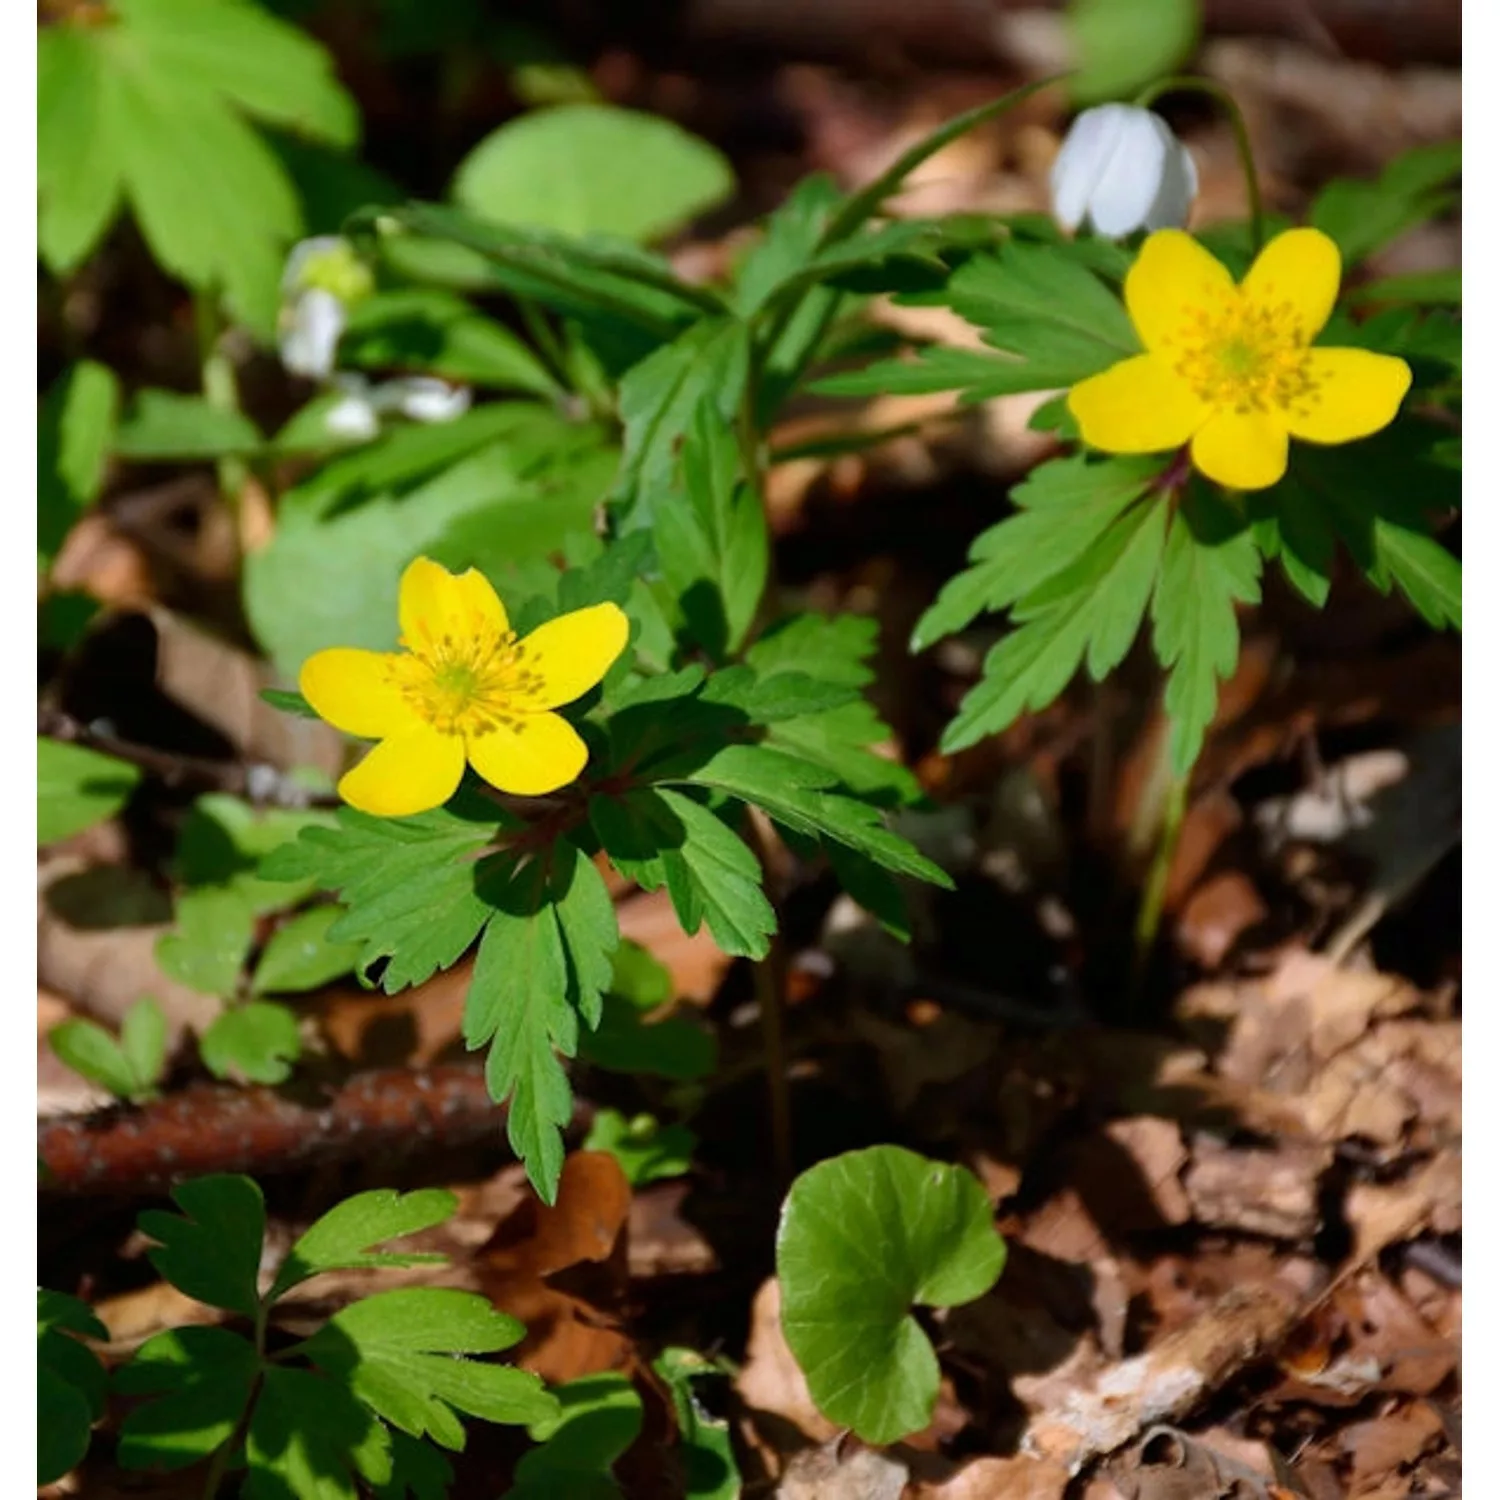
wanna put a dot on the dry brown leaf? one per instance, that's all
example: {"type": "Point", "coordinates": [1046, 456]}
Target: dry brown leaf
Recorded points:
{"type": "Point", "coordinates": [842, 1469]}
{"type": "Point", "coordinates": [1017, 1478]}
{"type": "Point", "coordinates": [1170, 1465]}
{"type": "Point", "coordinates": [782, 1416]}
{"type": "Point", "coordinates": [562, 1270]}
{"type": "Point", "coordinates": [1379, 1447]}
{"type": "Point", "coordinates": [1272, 1192]}
{"type": "Point", "coordinates": [1382, 1214]}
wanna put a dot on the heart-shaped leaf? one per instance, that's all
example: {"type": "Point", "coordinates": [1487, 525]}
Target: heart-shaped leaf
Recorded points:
{"type": "Point", "coordinates": [863, 1236]}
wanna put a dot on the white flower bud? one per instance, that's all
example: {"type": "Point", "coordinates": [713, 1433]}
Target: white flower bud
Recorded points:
{"type": "Point", "coordinates": [354, 417]}
{"type": "Point", "coordinates": [1122, 169]}
{"type": "Point", "coordinates": [423, 398]}
{"type": "Point", "coordinates": [311, 327]}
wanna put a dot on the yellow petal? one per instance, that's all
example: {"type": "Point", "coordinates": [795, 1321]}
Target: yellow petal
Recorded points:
{"type": "Point", "coordinates": [570, 654]}
{"type": "Point", "coordinates": [542, 753]}
{"type": "Point", "coordinates": [1299, 270]}
{"type": "Point", "coordinates": [355, 691]}
{"type": "Point", "coordinates": [1137, 406]}
{"type": "Point", "coordinates": [436, 603]}
{"type": "Point", "coordinates": [1173, 281]}
{"type": "Point", "coordinates": [1242, 451]}
{"type": "Point", "coordinates": [1356, 393]}
{"type": "Point", "coordinates": [409, 773]}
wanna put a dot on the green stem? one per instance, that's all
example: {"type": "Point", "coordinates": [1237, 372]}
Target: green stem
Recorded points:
{"type": "Point", "coordinates": [546, 340]}
{"type": "Point", "coordinates": [1230, 105]}
{"type": "Point", "coordinates": [220, 388]}
{"type": "Point", "coordinates": [1148, 919]}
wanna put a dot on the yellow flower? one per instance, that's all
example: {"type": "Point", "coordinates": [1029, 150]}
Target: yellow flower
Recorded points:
{"type": "Point", "coordinates": [1231, 369]}
{"type": "Point", "coordinates": [462, 688]}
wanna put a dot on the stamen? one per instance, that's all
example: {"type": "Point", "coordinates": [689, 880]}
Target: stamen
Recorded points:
{"type": "Point", "coordinates": [1246, 356]}
{"type": "Point", "coordinates": [465, 686]}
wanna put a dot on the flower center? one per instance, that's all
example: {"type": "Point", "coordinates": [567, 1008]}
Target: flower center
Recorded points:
{"type": "Point", "coordinates": [1245, 356]}
{"type": "Point", "coordinates": [467, 685]}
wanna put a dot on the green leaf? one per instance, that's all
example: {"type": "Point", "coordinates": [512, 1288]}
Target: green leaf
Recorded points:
{"type": "Point", "coordinates": [93, 1053]}
{"type": "Point", "coordinates": [76, 788]}
{"type": "Point", "coordinates": [407, 884]}
{"type": "Point", "coordinates": [215, 925]}
{"type": "Point", "coordinates": [75, 432]}
{"type": "Point", "coordinates": [342, 1238]}
{"type": "Point", "coordinates": [593, 169]}
{"type": "Point", "coordinates": [862, 1237]}
{"type": "Point", "coordinates": [257, 1042]}
{"type": "Point", "coordinates": [71, 1383]}
{"type": "Point", "coordinates": [212, 1252]}
{"type": "Point", "coordinates": [164, 425]}
{"type": "Point", "coordinates": [224, 839]}
{"type": "Point", "coordinates": [646, 1150]}
{"type": "Point", "coordinates": [428, 329]}
{"type": "Point", "coordinates": [1363, 216]}
{"type": "Point", "coordinates": [790, 238]}
{"type": "Point", "coordinates": [1091, 608]}
{"type": "Point", "coordinates": [598, 1418]}
{"type": "Point", "coordinates": [660, 837]}
{"type": "Point", "coordinates": [705, 1445]}
{"type": "Point", "coordinates": [1211, 563]}
{"type": "Point", "coordinates": [543, 964]}
{"type": "Point", "coordinates": [417, 1469]}
{"type": "Point", "coordinates": [301, 957]}
{"type": "Point", "coordinates": [331, 573]}
{"type": "Point", "coordinates": [143, 1040]}
{"type": "Point", "coordinates": [269, 68]}
{"type": "Point", "coordinates": [660, 397]}
{"type": "Point", "coordinates": [794, 792]}
{"type": "Point", "coordinates": [715, 554]}
{"type": "Point", "coordinates": [631, 1038]}
{"type": "Point", "coordinates": [1063, 506]}
{"type": "Point", "coordinates": [79, 170]}
{"type": "Point", "coordinates": [310, 1436]}
{"type": "Point", "coordinates": [201, 1380]}
{"type": "Point", "coordinates": [1051, 316]}
{"type": "Point", "coordinates": [1421, 288]}
{"type": "Point", "coordinates": [1122, 45]}
{"type": "Point", "coordinates": [400, 1353]}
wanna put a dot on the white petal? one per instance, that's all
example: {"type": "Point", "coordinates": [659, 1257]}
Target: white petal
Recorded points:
{"type": "Point", "coordinates": [353, 418]}
{"type": "Point", "coordinates": [310, 339]}
{"type": "Point", "coordinates": [423, 398]}
{"type": "Point", "coordinates": [1083, 158]}
{"type": "Point", "coordinates": [1179, 186]}
{"type": "Point", "coordinates": [1128, 185]}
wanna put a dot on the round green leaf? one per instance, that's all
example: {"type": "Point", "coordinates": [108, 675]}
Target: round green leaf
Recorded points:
{"type": "Point", "coordinates": [863, 1236]}
{"type": "Point", "coordinates": [300, 957]}
{"type": "Point", "coordinates": [1123, 45]}
{"type": "Point", "coordinates": [593, 169]}
{"type": "Point", "coordinates": [258, 1041]}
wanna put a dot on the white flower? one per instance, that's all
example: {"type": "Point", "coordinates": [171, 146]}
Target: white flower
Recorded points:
{"type": "Point", "coordinates": [423, 398]}
{"type": "Point", "coordinates": [1122, 169]}
{"type": "Point", "coordinates": [323, 278]}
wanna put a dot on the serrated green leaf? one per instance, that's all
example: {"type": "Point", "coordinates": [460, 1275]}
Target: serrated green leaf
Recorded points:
{"type": "Point", "coordinates": [1122, 45]}
{"type": "Point", "coordinates": [862, 1237]}
{"type": "Point", "coordinates": [715, 554]}
{"type": "Point", "coordinates": [646, 1150]}
{"type": "Point", "coordinates": [598, 1418]}
{"type": "Point", "coordinates": [224, 839]}
{"type": "Point", "coordinates": [397, 1352]}
{"type": "Point", "coordinates": [709, 1470]}
{"type": "Point", "coordinates": [1362, 216]}
{"type": "Point", "coordinates": [659, 398]}
{"type": "Point", "coordinates": [212, 1250]}
{"type": "Point", "coordinates": [201, 1379]}
{"type": "Point", "coordinates": [1064, 505]}
{"type": "Point", "coordinates": [1091, 607]}
{"type": "Point", "coordinates": [543, 964]}
{"type": "Point", "coordinates": [268, 67]}
{"type": "Point", "coordinates": [593, 169]}
{"type": "Point", "coordinates": [75, 432]}
{"type": "Point", "coordinates": [169, 426]}
{"type": "Point", "coordinates": [257, 1042]}
{"type": "Point", "coordinates": [1207, 568]}
{"type": "Point", "coordinates": [214, 928]}
{"type": "Point", "coordinates": [407, 884]}
{"type": "Point", "coordinates": [660, 837]}
{"type": "Point", "coordinates": [428, 329]}
{"type": "Point", "coordinates": [790, 237]}
{"type": "Point", "coordinates": [77, 787]}
{"type": "Point", "coordinates": [311, 1437]}
{"type": "Point", "coordinates": [300, 955]}
{"type": "Point", "coordinates": [79, 171]}
{"type": "Point", "coordinates": [795, 792]}
{"type": "Point", "coordinates": [342, 1239]}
